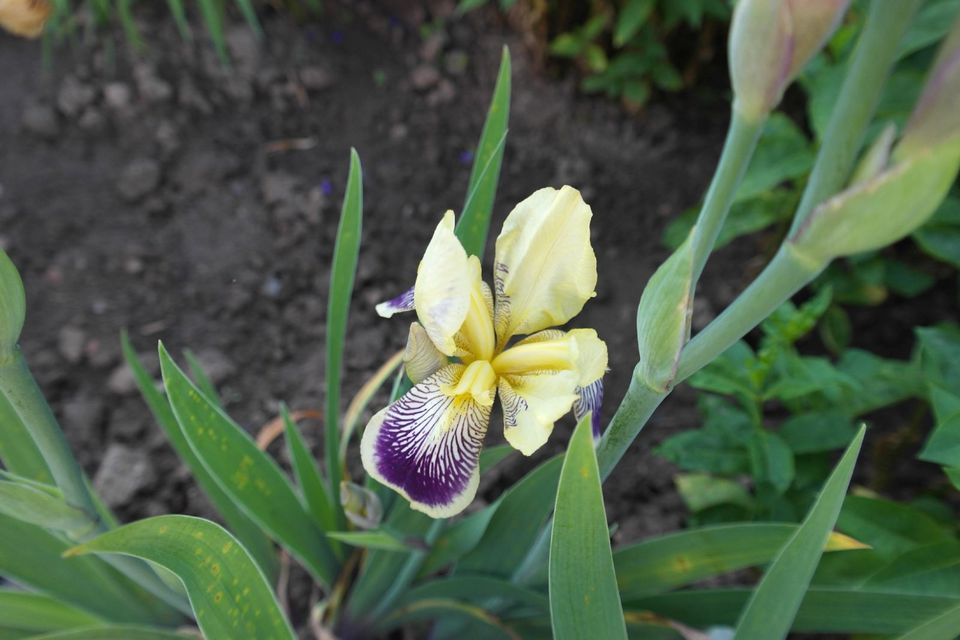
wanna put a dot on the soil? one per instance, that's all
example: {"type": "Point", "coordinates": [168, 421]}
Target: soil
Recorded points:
{"type": "Point", "coordinates": [161, 193]}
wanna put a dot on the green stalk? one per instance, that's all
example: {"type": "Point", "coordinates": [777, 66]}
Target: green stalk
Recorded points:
{"type": "Point", "coordinates": [20, 389]}
{"type": "Point", "coordinates": [786, 274]}
{"type": "Point", "coordinates": [875, 53]}
{"type": "Point", "coordinates": [633, 413]}
{"type": "Point", "coordinates": [738, 148]}
{"type": "Point", "coordinates": [407, 573]}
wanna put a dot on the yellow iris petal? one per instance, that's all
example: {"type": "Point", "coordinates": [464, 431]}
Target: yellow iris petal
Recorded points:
{"type": "Point", "coordinates": [476, 340]}
{"type": "Point", "coordinates": [545, 268]}
{"type": "Point", "coordinates": [421, 358]}
{"type": "Point", "coordinates": [591, 355]}
{"type": "Point", "coordinates": [532, 404]}
{"type": "Point", "coordinates": [25, 17]}
{"type": "Point", "coordinates": [441, 294]}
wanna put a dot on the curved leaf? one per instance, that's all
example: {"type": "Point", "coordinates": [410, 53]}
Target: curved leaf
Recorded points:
{"type": "Point", "coordinates": [36, 612]}
{"type": "Point", "coordinates": [775, 601]}
{"type": "Point", "coordinates": [584, 601]}
{"type": "Point", "coordinates": [245, 473]}
{"type": "Point", "coordinates": [118, 632]}
{"type": "Point", "coordinates": [229, 594]}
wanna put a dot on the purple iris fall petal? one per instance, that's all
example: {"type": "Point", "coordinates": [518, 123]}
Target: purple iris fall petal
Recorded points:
{"type": "Point", "coordinates": [400, 304]}
{"type": "Point", "coordinates": [428, 444]}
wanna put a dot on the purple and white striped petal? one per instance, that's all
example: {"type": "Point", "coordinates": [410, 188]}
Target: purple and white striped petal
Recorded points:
{"type": "Point", "coordinates": [589, 400]}
{"type": "Point", "coordinates": [427, 445]}
{"type": "Point", "coordinates": [403, 302]}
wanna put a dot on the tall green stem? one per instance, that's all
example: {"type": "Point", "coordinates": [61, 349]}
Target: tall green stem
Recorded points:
{"type": "Point", "coordinates": [633, 413]}
{"type": "Point", "coordinates": [875, 53]}
{"type": "Point", "coordinates": [742, 138]}
{"type": "Point", "coordinates": [786, 274]}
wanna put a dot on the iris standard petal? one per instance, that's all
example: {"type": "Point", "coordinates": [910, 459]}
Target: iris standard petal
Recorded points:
{"type": "Point", "coordinates": [532, 404]}
{"type": "Point", "coordinates": [421, 358]}
{"type": "Point", "coordinates": [441, 294]}
{"type": "Point", "coordinates": [400, 304]}
{"type": "Point", "coordinates": [545, 269]}
{"type": "Point", "coordinates": [427, 444]}
{"type": "Point", "coordinates": [476, 339]}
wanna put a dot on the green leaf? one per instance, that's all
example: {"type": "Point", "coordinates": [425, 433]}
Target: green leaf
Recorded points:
{"type": "Point", "coordinates": [516, 524]}
{"type": "Point", "coordinates": [631, 17]}
{"type": "Point", "coordinates": [930, 25]}
{"type": "Point", "coordinates": [776, 600]}
{"type": "Point", "coordinates": [179, 14]}
{"type": "Point", "coordinates": [342, 274]}
{"type": "Point", "coordinates": [783, 153]}
{"type": "Point", "coordinates": [889, 527]}
{"type": "Point", "coordinates": [311, 483]}
{"type": "Point", "coordinates": [32, 556]}
{"type": "Point", "coordinates": [701, 491]}
{"type": "Point", "coordinates": [943, 445]}
{"type": "Point", "coordinates": [492, 456]}
{"type": "Point", "coordinates": [940, 627]}
{"type": "Point", "coordinates": [228, 593]}
{"type": "Point", "coordinates": [38, 504]}
{"type": "Point", "coordinates": [940, 236]}
{"type": "Point", "coordinates": [671, 561]}
{"type": "Point", "coordinates": [584, 601]}
{"type": "Point", "coordinates": [375, 539]}
{"type": "Point", "coordinates": [246, 474]}
{"type": "Point", "coordinates": [116, 632]}
{"type": "Point", "coordinates": [474, 221]}
{"type": "Point", "coordinates": [932, 570]}
{"type": "Point", "coordinates": [250, 15]}
{"type": "Point", "coordinates": [458, 539]}
{"type": "Point", "coordinates": [772, 460]}
{"type": "Point", "coordinates": [36, 612]}
{"type": "Point", "coordinates": [201, 378]}
{"type": "Point", "coordinates": [817, 431]}
{"type": "Point", "coordinates": [823, 610]}
{"type": "Point", "coordinates": [237, 521]}
{"type": "Point", "coordinates": [443, 608]}
{"type": "Point", "coordinates": [18, 451]}
{"type": "Point", "coordinates": [940, 355]}
{"type": "Point", "coordinates": [128, 24]}
{"type": "Point", "coordinates": [474, 588]}
{"type": "Point", "coordinates": [211, 10]}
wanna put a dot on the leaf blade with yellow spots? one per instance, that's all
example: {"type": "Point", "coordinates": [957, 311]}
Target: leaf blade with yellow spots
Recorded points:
{"type": "Point", "coordinates": [246, 474]}
{"type": "Point", "coordinates": [584, 601]}
{"type": "Point", "coordinates": [229, 594]}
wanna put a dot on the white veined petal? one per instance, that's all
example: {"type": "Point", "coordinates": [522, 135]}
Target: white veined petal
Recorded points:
{"type": "Point", "coordinates": [427, 445]}
{"type": "Point", "coordinates": [545, 268]}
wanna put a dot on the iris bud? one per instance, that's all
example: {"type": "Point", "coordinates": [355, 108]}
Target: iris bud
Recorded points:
{"type": "Point", "coordinates": [936, 115]}
{"type": "Point", "coordinates": [361, 506]}
{"type": "Point", "coordinates": [770, 42]}
{"type": "Point", "coordinates": [13, 306]}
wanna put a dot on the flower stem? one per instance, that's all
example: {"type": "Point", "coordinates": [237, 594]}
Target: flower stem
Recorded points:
{"type": "Point", "coordinates": [742, 138]}
{"type": "Point", "coordinates": [633, 413]}
{"type": "Point", "coordinates": [786, 274]}
{"type": "Point", "coordinates": [875, 53]}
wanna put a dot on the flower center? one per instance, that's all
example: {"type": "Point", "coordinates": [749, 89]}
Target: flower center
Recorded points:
{"type": "Point", "coordinates": [545, 355]}
{"type": "Point", "coordinates": [478, 380]}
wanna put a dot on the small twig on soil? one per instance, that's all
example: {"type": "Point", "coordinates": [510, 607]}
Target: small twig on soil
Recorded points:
{"type": "Point", "coordinates": [272, 430]}
{"type": "Point", "coordinates": [283, 583]}
{"type": "Point", "coordinates": [290, 144]}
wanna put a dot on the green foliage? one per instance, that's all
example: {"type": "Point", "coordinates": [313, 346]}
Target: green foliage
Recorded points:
{"type": "Point", "coordinates": [584, 600]}
{"type": "Point", "coordinates": [228, 593]}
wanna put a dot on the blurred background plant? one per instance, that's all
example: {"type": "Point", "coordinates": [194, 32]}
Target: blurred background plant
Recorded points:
{"type": "Point", "coordinates": [626, 49]}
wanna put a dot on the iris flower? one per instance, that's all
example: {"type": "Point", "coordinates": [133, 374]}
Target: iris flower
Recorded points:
{"type": "Point", "coordinates": [462, 352]}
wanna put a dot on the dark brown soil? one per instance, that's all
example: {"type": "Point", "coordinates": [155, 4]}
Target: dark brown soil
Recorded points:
{"type": "Point", "coordinates": [166, 195]}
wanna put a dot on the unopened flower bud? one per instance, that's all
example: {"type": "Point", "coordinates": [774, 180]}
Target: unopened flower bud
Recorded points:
{"type": "Point", "coordinates": [361, 506]}
{"type": "Point", "coordinates": [663, 318]}
{"type": "Point", "coordinates": [25, 17]}
{"type": "Point", "coordinates": [881, 209]}
{"type": "Point", "coordinates": [770, 42]}
{"type": "Point", "coordinates": [13, 305]}
{"type": "Point", "coordinates": [936, 116]}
